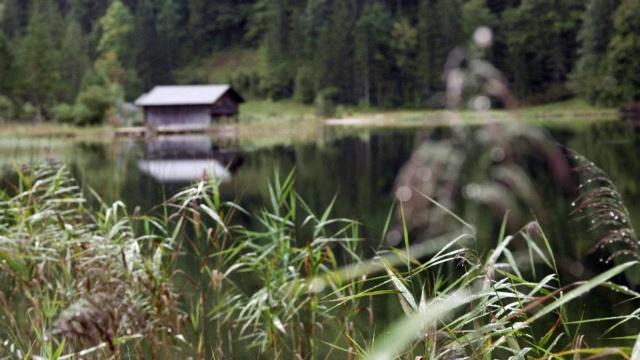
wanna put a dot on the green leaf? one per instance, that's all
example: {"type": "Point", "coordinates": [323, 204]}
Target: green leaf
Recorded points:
{"type": "Point", "coordinates": [582, 289]}
{"type": "Point", "coordinates": [407, 301]}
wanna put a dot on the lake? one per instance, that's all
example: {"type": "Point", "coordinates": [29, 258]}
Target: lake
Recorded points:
{"type": "Point", "coordinates": [477, 172]}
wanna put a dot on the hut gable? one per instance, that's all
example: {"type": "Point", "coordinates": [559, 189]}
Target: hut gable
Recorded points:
{"type": "Point", "coordinates": [188, 105]}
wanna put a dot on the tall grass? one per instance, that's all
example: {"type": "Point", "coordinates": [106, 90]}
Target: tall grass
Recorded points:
{"type": "Point", "coordinates": [191, 282]}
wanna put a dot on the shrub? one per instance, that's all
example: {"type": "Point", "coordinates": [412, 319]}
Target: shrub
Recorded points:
{"type": "Point", "coordinates": [326, 102]}
{"type": "Point", "coordinates": [64, 113]}
{"type": "Point", "coordinates": [28, 111]}
{"type": "Point", "coordinates": [304, 86]}
{"type": "Point", "coordinates": [92, 105]}
{"type": "Point", "coordinates": [7, 110]}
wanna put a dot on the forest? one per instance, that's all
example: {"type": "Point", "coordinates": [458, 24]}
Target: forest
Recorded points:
{"type": "Point", "coordinates": [71, 60]}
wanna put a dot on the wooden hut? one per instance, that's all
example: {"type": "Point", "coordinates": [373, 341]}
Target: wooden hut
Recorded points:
{"type": "Point", "coordinates": [188, 107]}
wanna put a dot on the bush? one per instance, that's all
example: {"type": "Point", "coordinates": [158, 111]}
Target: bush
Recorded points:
{"type": "Point", "coordinates": [247, 83]}
{"type": "Point", "coordinates": [7, 110]}
{"type": "Point", "coordinates": [304, 88]}
{"type": "Point", "coordinates": [326, 102]}
{"type": "Point", "coordinates": [28, 111]}
{"type": "Point", "coordinates": [92, 105]}
{"type": "Point", "coordinates": [64, 113]}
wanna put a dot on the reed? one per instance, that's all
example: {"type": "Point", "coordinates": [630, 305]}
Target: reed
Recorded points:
{"type": "Point", "coordinates": [189, 281]}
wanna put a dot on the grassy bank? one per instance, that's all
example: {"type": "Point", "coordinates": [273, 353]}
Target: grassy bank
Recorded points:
{"type": "Point", "coordinates": [188, 281]}
{"type": "Point", "coordinates": [266, 114]}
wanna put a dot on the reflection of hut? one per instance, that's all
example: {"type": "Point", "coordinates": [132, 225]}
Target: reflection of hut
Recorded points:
{"type": "Point", "coordinates": [187, 158]}
{"type": "Point", "coordinates": [631, 112]}
{"type": "Point", "coordinates": [184, 170]}
{"type": "Point", "coordinates": [188, 107]}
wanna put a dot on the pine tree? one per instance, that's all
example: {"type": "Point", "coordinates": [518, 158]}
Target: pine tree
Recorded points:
{"type": "Point", "coordinates": [14, 17]}
{"type": "Point", "coordinates": [149, 64]}
{"type": "Point", "coordinates": [40, 60]}
{"type": "Point", "coordinates": [7, 77]}
{"type": "Point", "coordinates": [117, 53]}
{"type": "Point", "coordinates": [270, 23]}
{"type": "Point", "coordinates": [541, 35]}
{"type": "Point", "coordinates": [171, 33]}
{"type": "Point", "coordinates": [335, 69]}
{"type": "Point", "coordinates": [75, 58]}
{"type": "Point", "coordinates": [439, 32]}
{"type": "Point", "coordinates": [622, 58]}
{"type": "Point", "coordinates": [372, 34]}
{"type": "Point", "coordinates": [596, 32]}
{"type": "Point", "coordinates": [87, 13]}
{"type": "Point", "coordinates": [117, 26]}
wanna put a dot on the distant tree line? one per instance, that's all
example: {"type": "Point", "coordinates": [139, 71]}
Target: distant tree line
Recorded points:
{"type": "Point", "coordinates": [72, 59]}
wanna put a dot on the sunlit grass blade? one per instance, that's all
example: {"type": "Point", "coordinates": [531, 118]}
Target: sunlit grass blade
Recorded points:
{"type": "Point", "coordinates": [448, 211]}
{"type": "Point", "coordinates": [407, 330]}
{"type": "Point", "coordinates": [580, 290]}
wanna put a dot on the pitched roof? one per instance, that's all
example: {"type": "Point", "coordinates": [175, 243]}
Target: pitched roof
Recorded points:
{"type": "Point", "coordinates": [185, 95]}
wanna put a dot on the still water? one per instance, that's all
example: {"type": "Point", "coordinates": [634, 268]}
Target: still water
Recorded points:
{"type": "Point", "coordinates": [367, 170]}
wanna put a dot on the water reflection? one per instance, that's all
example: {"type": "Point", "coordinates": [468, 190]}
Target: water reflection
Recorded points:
{"type": "Point", "coordinates": [509, 170]}
{"type": "Point", "coordinates": [188, 158]}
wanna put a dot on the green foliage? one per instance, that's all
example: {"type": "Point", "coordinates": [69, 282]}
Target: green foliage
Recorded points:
{"type": "Point", "coordinates": [7, 109]}
{"type": "Point", "coordinates": [28, 112]}
{"type": "Point", "coordinates": [624, 45]}
{"type": "Point", "coordinates": [40, 61]}
{"type": "Point", "coordinates": [439, 33]}
{"type": "Point", "coordinates": [112, 284]}
{"type": "Point", "coordinates": [541, 37]}
{"type": "Point", "coordinates": [94, 285]}
{"type": "Point", "coordinates": [304, 86]}
{"type": "Point", "coordinates": [117, 54]}
{"type": "Point", "coordinates": [7, 67]}
{"type": "Point", "coordinates": [92, 105]}
{"type": "Point", "coordinates": [326, 102]}
{"type": "Point", "coordinates": [372, 35]}
{"type": "Point", "coordinates": [75, 58]}
{"type": "Point", "coordinates": [591, 79]}
{"type": "Point", "coordinates": [116, 25]}
{"type": "Point", "coordinates": [385, 53]}
{"type": "Point", "coordinates": [64, 113]}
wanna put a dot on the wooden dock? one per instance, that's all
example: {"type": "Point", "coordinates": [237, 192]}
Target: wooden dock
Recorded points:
{"type": "Point", "coordinates": [142, 131]}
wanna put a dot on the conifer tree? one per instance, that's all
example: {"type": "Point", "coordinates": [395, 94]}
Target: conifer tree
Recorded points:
{"type": "Point", "coordinates": [75, 58]}
{"type": "Point", "coordinates": [270, 23]}
{"type": "Point", "coordinates": [335, 70]}
{"type": "Point", "coordinates": [541, 36]}
{"type": "Point", "coordinates": [171, 33]}
{"type": "Point", "coordinates": [14, 17]}
{"type": "Point", "coordinates": [40, 60]}
{"type": "Point", "coordinates": [117, 51]}
{"type": "Point", "coordinates": [439, 31]}
{"type": "Point", "coordinates": [7, 60]}
{"type": "Point", "coordinates": [372, 33]}
{"type": "Point", "coordinates": [589, 78]}
{"type": "Point", "coordinates": [622, 57]}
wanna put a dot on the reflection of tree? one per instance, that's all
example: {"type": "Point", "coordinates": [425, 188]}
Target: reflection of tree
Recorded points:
{"type": "Point", "coordinates": [109, 169]}
{"type": "Point", "coordinates": [486, 173]}
{"type": "Point", "coordinates": [359, 169]}
{"type": "Point", "coordinates": [506, 169]}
